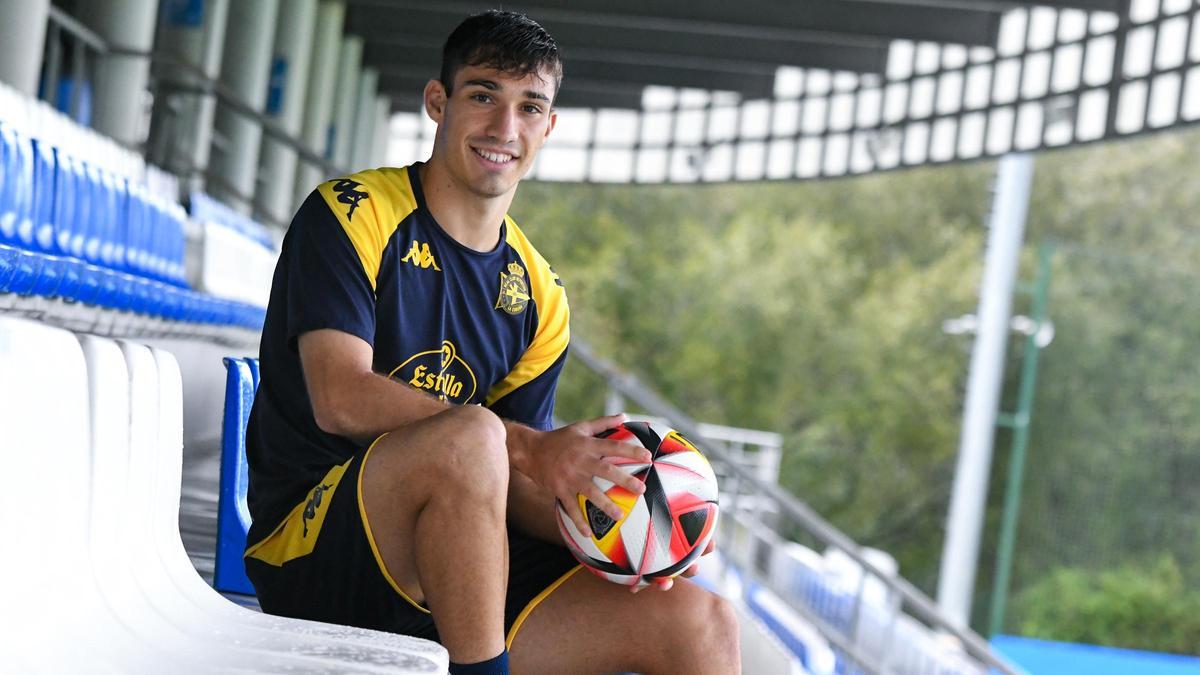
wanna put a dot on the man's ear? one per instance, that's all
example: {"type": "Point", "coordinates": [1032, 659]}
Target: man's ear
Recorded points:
{"type": "Point", "coordinates": [435, 100]}
{"type": "Point", "coordinates": [553, 121]}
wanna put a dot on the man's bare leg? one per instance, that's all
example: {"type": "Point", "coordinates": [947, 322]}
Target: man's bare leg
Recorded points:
{"type": "Point", "coordinates": [435, 495]}
{"type": "Point", "coordinates": [589, 625]}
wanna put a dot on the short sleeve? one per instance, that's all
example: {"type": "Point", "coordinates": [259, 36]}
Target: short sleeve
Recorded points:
{"type": "Point", "coordinates": [327, 286]}
{"type": "Point", "coordinates": [532, 403]}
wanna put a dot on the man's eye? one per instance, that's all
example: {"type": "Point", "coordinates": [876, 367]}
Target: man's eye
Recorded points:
{"type": "Point", "coordinates": [533, 109]}
{"type": "Point", "coordinates": [482, 98]}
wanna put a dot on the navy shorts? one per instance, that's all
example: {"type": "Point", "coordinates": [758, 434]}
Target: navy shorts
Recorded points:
{"type": "Point", "coordinates": [321, 563]}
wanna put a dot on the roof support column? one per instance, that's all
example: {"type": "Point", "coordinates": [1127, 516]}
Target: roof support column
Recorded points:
{"type": "Point", "coordinates": [245, 69]}
{"type": "Point", "coordinates": [285, 104]}
{"type": "Point", "coordinates": [318, 98]}
{"type": "Point", "coordinates": [383, 134]}
{"type": "Point", "coordinates": [23, 34]}
{"type": "Point", "coordinates": [345, 97]}
{"type": "Point", "coordinates": [120, 101]}
{"type": "Point", "coordinates": [181, 129]}
{"type": "Point", "coordinates": [364, 121]}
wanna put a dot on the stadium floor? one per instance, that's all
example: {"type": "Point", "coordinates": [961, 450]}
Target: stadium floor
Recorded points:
{"type": "Point", "coordinates": [198, 504]}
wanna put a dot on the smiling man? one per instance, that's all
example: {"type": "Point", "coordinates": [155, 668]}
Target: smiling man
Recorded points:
{"type": "Point", "coordinates": [403, 465]}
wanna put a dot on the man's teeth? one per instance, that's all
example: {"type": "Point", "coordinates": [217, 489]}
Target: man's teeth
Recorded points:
{"type": "Point", "coordinates": [493, 156]}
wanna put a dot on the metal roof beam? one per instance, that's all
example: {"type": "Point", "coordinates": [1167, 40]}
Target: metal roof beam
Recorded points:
{"type": "Point", "coordinates": [390, 37]}
{"type": "Point", "coordinates": [750, 19]}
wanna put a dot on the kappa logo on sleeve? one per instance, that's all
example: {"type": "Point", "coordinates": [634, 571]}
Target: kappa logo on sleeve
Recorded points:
{"type": "Point", "coordinates": [349, 194]}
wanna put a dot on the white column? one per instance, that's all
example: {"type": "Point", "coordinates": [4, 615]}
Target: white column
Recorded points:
{"type": "Point", "coordinates": [364, 122]}
{"type": "Point", "coordinates": [245, 69]}
{"type": "Point", "coordinates": [318, 98]}
{"type": "Point", "coordinates": [23, 36]}
{"type": "Point", "coordinates": [285, 104]}
{"type": "Point", "coordinates": [383, 133]}
{"type": "Point", "coordinates": [345, 96]}
{"type": "Point", "coordinates": [1010, 203]}
{"type": "Point", "coordinates": [120, 101]}
{"type": "Point", "coordinates": [181, 128]}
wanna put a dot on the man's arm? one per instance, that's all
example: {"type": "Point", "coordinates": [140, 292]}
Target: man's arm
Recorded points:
{"type": "Point", "coordinates": [350, 399]}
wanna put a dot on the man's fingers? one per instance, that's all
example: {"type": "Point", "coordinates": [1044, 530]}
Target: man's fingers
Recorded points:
{"type": "Point", "coordinates": [595, 426]}
{"type": "Point", "coordinates": [665, 584]}
{"type": "Point", "coordinates": [627, 450]}
{"type": "Point", "coordinates": [597, 496]}
{"type": "Point", "coordinates": [612, 473]}
{"type": "Point", "coordinates": [571, 506]}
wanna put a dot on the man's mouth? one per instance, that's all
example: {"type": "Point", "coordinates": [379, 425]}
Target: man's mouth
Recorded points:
{"type": "Point", "coordinates": [495, 157]}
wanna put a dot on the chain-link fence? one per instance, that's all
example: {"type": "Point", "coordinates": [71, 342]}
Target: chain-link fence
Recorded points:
{"type": "Point", "coordinates": [1110, 512]}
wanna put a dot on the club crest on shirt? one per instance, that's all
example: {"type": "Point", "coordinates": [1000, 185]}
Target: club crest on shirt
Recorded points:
{"type": "Point", "coordinates": [514, 292]}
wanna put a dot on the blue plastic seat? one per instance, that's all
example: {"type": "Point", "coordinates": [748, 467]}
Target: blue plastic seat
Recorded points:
{"type": "Point", "coordinates": [233, 516]}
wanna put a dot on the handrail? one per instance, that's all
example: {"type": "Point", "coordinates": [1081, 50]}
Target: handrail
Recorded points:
{"type": "Point", "coordinates": [925, 609]}
{"type": "Point", "coordinates": [75, 27]}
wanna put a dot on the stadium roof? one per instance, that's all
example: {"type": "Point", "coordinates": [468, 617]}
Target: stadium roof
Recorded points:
{"type": "Point", "coordinates": [615, 48]}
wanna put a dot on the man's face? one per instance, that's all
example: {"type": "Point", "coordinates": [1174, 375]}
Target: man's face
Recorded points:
{"type": "Point", "coordinates": [491, 126]}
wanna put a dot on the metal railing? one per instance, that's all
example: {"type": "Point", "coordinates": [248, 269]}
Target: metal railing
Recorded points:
{"type": "Point", "coordinates": [845, 639]}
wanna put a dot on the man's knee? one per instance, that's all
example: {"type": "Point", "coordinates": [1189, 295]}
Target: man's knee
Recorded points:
{"type": "Point", "coordinates": [707, 626]}
{"type": "Point", "coordinates": [473, 459]}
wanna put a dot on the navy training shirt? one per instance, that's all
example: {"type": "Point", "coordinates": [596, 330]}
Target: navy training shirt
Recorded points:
{"type": "Point", "coordinates": [365, 256]}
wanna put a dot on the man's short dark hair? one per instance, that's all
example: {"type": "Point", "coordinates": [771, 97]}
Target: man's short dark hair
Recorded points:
{"type": "Point", "coordinates": [507, 41]}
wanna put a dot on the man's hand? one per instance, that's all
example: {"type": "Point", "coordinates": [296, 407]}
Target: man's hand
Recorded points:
{"type": "Point", "coordinates": [666, 584]}
{"type": "Point", "coordinates": [565, 460]}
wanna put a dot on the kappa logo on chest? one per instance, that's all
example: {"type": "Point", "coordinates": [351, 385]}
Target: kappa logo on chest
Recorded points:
{"type": "Point", "coordinates": [419, 255]}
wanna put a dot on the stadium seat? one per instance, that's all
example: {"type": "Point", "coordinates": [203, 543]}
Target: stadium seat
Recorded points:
{"type": "Point", "coordinates": [101, 582]}
{"type": "Point", "coordinates": [168, 575]}
{"type": "Point", "coordinates": [55, 620]}
{"type": "Point", "coordinates": [233, 518]}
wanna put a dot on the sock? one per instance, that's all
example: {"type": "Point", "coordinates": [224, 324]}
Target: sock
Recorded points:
{"type": "Point", "coordinates": [497, 665]}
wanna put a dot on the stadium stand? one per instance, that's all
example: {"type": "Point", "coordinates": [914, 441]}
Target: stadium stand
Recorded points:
{"type": "Point", "coordinates": [114, 589]}
{"type": "Point", "coordinates": [91, 238]}
{"type": "Point", "coordinates": [94, 241]}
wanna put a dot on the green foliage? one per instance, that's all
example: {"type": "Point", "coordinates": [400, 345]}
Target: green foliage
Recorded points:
{"type": "Point", "coordinates": [1136, 606]}
{"type": "Point", "coordinates": [815, 310]}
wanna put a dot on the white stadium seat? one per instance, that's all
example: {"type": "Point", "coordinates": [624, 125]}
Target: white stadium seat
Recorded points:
{"type": "Point", "coordinates": [95, 577]}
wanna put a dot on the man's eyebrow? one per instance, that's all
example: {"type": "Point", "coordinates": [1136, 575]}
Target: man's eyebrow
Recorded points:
{"type": "Point", "coordinates": [493, 85]}
{"type": "Point", "coordinates": [486, 84]}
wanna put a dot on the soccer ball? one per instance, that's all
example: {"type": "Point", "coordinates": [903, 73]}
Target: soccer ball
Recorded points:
{"type": "Point", "coordinates": [665, 529]}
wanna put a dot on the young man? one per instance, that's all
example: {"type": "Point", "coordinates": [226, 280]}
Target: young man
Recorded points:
{"type": "Point", "coordinates": [403, 469]}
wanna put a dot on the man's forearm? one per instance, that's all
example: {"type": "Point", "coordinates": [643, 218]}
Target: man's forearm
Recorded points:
{"type": "Point", "coordinates": [366, 405]}
{"type": "Point", "coordinates": [372, 404]}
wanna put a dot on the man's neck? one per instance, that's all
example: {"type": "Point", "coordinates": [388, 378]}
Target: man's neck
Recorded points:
{"type": "Point", "coordinates": [472, 220]}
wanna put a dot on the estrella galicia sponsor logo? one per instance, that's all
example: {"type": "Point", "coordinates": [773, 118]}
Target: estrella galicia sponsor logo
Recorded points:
{"type": "Point", "coordinates": [420, 256]}
{"type": "Point", "coordinates": [349, 194]}
{"type": "Point", "coordinates": [441, 372]}
{"type": "Point", "coordinates": [514, 292]}
{"type": "Point", "coordinates": [314, 503]}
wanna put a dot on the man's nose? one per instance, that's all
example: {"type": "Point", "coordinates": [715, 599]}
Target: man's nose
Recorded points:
{"type": "Point", "coordinates": [503, 124]}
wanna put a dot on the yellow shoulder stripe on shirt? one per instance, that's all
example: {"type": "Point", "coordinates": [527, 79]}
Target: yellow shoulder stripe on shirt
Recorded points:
{"type": "Point", "coordinates": [370, 205]}
{"type": "Point", "coordinates": [553, 330]}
